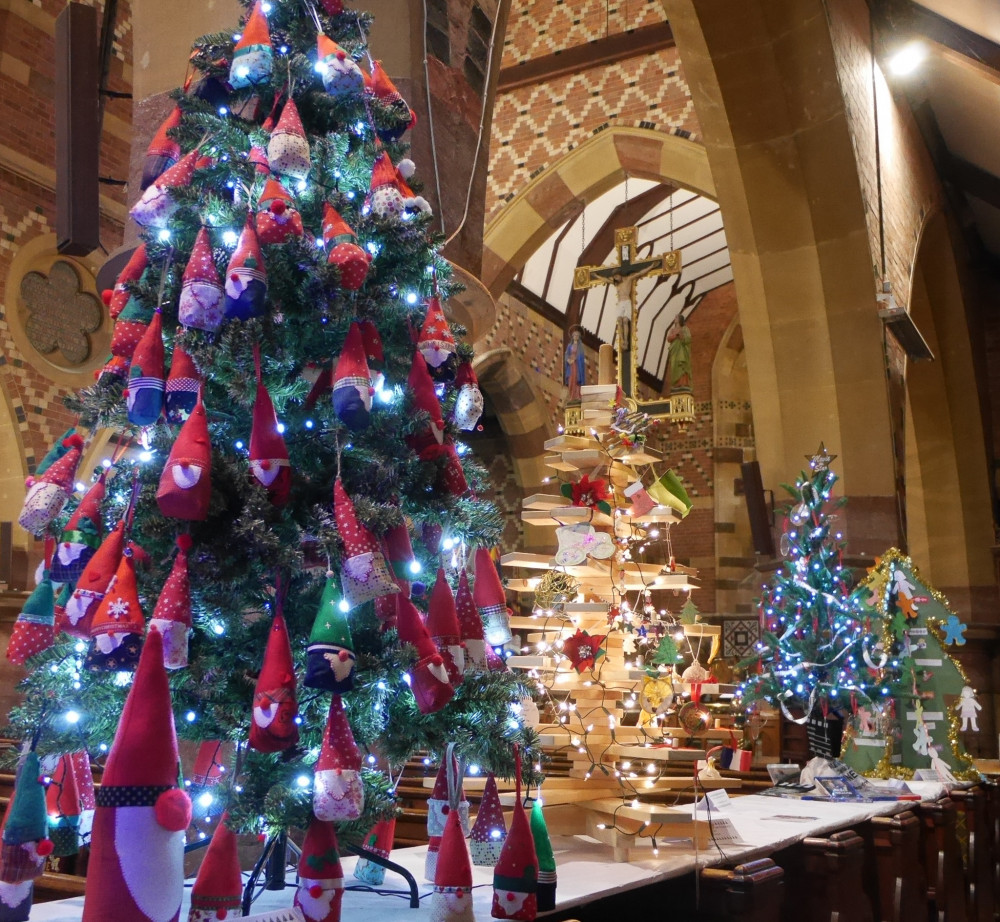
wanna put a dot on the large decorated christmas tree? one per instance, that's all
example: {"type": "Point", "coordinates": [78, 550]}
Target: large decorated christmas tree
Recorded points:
{"type": "Point", "coordinates": [285, 400]}
{"type": "Point", "coordinates": [814, 661]}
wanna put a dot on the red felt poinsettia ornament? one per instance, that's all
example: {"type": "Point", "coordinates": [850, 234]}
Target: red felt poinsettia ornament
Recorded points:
{"type": "Point", "coordinates": [594, 494]}
{"type": "Point", "coordinates": [583, 650]}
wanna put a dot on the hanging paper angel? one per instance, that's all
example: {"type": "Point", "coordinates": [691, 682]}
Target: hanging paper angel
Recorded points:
{"type": "Point", "coordinates": [967, 708]}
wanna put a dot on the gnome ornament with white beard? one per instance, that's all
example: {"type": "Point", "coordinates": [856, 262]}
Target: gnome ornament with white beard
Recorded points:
{"type": "Point", "coordinates": [321, 879]}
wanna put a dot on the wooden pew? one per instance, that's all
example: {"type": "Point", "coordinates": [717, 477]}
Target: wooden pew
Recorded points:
{"type": "Point", "coordinates": [835, 871]}
{"type": "Point", "coordinates": [751, 892]}
{"type": "Point", "coordinates": [942, 861]}
{"type": "Point", "coordinates": [900, 891]}
{"type": "Point", "coordinates": [979, 872]}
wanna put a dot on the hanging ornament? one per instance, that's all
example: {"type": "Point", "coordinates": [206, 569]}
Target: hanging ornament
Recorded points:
{"type": "Point", "coordinates": [338, 793]}
{"type": "Point", "coordinates": [373, 353]}
{"type": "Point", "coordinates": [436, 343]}
{"type": "Point", "coordinates": [172, 614]}
{"type": "Point", "coordinates": [268, 454]}
{"type": "Point", "coordinates": [92, 584]}
{"type": "Point", "coordinates": [470, 625]}
{"type": "Point", "coordinates": [364, 573]}
{"type": "Point", "coordinates": [146, 382]}
{"type": "Point", "coordinates": [288, 149]}
{"type": "Point", "coordinates": [583, 650]}
{"type": "Point", "coordinates": [429, 680]}
{"type": "Point", "coordinates": [393, 116]}
{"type": "Point", "coordinates": [81, 536]}
{"type": "Point", "coordinates": [591, 494]}
{"type": "Point", "coordinates": [345, 254]}
{"type": "Point", "coordinates": [116, 298]}
{"type": "Point", "coordinates": [578, 542]}
{"type": "Point", "coordinates": [64, 807]}
{"type": "Point", "coordinates": [34, 629]}
{"type": "Point", "coordinates": [118, 624]}
{"type": "Point", "coordinates": [330, 657]}
{"type": "Point", "coordinates": [491, 600]}
{"type": "Point", "coordinates": [273, 728]}
{"type": "Point", "coordinates": [185, 488]}
{"type": "Point", "coordinates": [253, 55]}
{"type": "Point", "coordinates": [49, 492]}
{"type": "Point", "coordinates": [469, 402]}
{"type": "Point", "coordinates": [183, 384]}
{"type": "Point", "coordinates": [246, 278]}
{"type": "Point", "coordinates": [669, 491]}
{"type": "Point", "coordinates": [277, 218]}
{"type": "Point", "coordinates": [163, 151]}
{"type": "Point", "coordinates": [433, 443]}
{"type": "Point", "coordinates": [200, 305]}
{"type": "Point", "coordinates": [799, 514]}
{"type": "Point", "coordinates": [342, 78]}
{"type": "Point", "coordinates": [157, 205]}
{"type": "Point", "coordinates": [442, 625]}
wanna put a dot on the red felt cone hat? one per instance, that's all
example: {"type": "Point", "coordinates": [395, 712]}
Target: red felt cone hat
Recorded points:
{"type": "Point", "coordinates": [357, 539]}
{"type": "Point", "coordinates": [273, 727]}
{"type": "Point", "coordinates": [488, 591]}
{"type": "Point", "coordinates": [454, 867]}
{"type": "Point", "coordinates": [133, 270]}
{"type": "Point", "coordinates": [181, 173]}
{"type": "Point", "coordinates": [219, 884]}
{"type": "Point", "coordinates": [268, 453]}
{"type": "Point", "coordinates": [373, 343]}
{"type": "Point", "coordinates": [412, 629]}
{"type": "Point", "coordinates": [436, 342]}
{"type": "Point", "coordinates": [174, 602]}
{"type": "Point", "coordinates": [185, 484]}
{"type": "Point", "coordinates": [442, 616]}
{"type": "Point", "coordinates": [335, 226]}
{"type": "Point", "coordinates": [352, 365]}
{"type": "Point", "coordinates": [256, 31]}
{"type": "Point", "coordinates": [290, 121]}
{"type": "Point", "coordinates": [63, 470]}
{"type": "Point", "coordinates": [120, 611]}
{"type": "Point", "coordinates": [88, 513]}
{"type": "Point", "coordinates": [320, 857]}
{"type": "Point", "coordinates": [274, 191]}
{"type": "Point", "coordinates": [339, 750]}
{"type": "Point", "coordinates": [470, 624]}
{"type": "Point", "coordinates": [424, 397]}
{"type": "Point", "coordinates": [383, 172]}
{"type": "Point", "coordinates": [247, 253]}
{"type": "Point", "coordinates": [62, 798]}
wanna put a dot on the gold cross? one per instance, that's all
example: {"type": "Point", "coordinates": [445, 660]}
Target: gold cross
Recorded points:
{"type": "Point", "coordinates": [625, 275]}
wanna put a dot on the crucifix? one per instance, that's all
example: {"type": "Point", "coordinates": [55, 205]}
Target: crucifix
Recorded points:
{"type": "Point", "coordinates": [625, 276]}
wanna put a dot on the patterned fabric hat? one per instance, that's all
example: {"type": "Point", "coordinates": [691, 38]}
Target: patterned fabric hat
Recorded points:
{"type": "Point", "coordinates": [364, 572]}
{"type": "Point", "coordinates": [146, 380]}
{"type": "Point", "coordinates": [253, 54]}
{"type": "Point", "coordinates": [491, 600]}
{"type": "Point", "coordinates": [338, 793]}
{"type": "Point", "coordinates": [489, 832]}
{"type": "Point", "coordinates": [436, 342]}
{"type": "Point", "coordinates": [352, 386]}
{"type": "Point", "coordinates": [172, 613]}
{"type": "Point", "coordinates": [288, 149]}
{"type": "Point", "coordinates": [157, 205]}
{"type": "Point", "coordinates": [200, 305]}
{"type": "Point", "coordinates": [470, 625]}
{"type": "Point", "coordinates": [183, 385]}
{"type": "Point", "coordinates": [218, 888]}
{"type": "Point", "coordinates": [442, 625]}
{"type": "Point", "coordinates": [163, 151]}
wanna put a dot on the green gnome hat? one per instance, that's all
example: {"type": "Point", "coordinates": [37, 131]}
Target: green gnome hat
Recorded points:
{"type": "Point", "coordinates": [28, 820]}
{"type": "Point", "coordinates": [546, 892]}
{"type": "Point", "coordinates": [55, 452]}
{"type": "Point", "coordinates": [330, 658]}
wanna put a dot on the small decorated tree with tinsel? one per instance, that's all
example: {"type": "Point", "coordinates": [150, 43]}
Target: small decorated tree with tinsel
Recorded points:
{"type": "Point", "coordinates": [811, 660]}
{"type": "Point", "coordinates": [286, 395]}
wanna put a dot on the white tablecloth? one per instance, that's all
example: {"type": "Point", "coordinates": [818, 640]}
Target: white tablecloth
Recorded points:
{"type": "Point", "coordinates": [586, 871]}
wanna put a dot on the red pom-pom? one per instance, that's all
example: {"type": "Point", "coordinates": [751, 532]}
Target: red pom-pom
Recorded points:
{"type": "Point", "coordinates": [184, 541]}
{"type": "Point", "coordinates": [106, 296]}
{"type": "Point", "coordinates": [341, 55]}
{"type": "Point", "coordinates": [221, 913]}
{"type": "Point", "coordinates": [265, 465]}
{"type": "Point", "coordinates": [125, 392]}
{"type": "Point", "coordinates": [510, 896]}
{"type": "Point", "coordinates": [261, 837]}
{"type": "Point", "coordinates": [173, 810]}
{"type": "Point", "coordinates": [437, 659]}
{"type": "Point", "coordinates": [445, 810]}
{"type": "Point", "coordinates": [74, 441]}
{"type": "Point", "coordinates": [344, 656]}
{"type": "Point", "coordinates": [44, 848]}
{"type": "Point", "coordinates": [234, 276]}
{"type": "Point", "coordinates": [459, 893]}
{"type": "Point", "coordinates": [278, 206]}
{"type": "Point", "coordinates": [315, 891]}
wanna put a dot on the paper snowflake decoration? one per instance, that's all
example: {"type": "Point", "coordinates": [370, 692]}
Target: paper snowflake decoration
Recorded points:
{"type": "Point", "coordinates": [118, 609]}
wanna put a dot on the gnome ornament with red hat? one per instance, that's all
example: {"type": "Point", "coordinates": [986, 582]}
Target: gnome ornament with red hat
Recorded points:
{"type": "Point", "coordinates": [48, 493]}
{"type": "Point", "coordinates": [116, 298]}
{"type": "Point", "coordinates": [253, 55]}
{"type": "Point", "coordinates": [146, 382]}
{"type": "Point", "coordinates": [273, 727]}
{"type": "Point", "coordinates": [277, 218]}
{"type": "Point", "coordinates": [378, 841]}
{"type": "Point", "coordinates": [63, 805]}
{"type": "Point", "coordinates": [489, 832]}
{"type": "Point", "coordinates": [447, 797]}
{"type": "Point", "coordinates": [469, 402]}
{"type": "Point", "coordinates": [429, 679]}
{"type": "Point", "coordinates": [172, 614]}
{"type": "Point", "coordinates": [491, 600]}
{"type": "Point", "coordinates": [26, 844]}
{"type": "Point", "coordinates": [130, 324]}
{"type": "Point", "coordinates": [399, 555]}
{"type": "Point", "coordinates": [246, 279]}
{"type": "Point", "coordinates": [436, 343]}
{"type": "Point", "coordinates": [258, 156]}
{"type": "Point", "coordinates": [218, 888]}
{"type": "Point", "coordinates": [34, 630]}
{"type": "Point", "coordinates": [345, 254]}
{"type": "Point", "coordinates": [136, 869]}
{"type": "Point", "coordinates": [288, 149]}
{"type": "Point", "coordinates": [394, 116]}
{"type": "Point", "coordinates": [163, 151]}
{"type": "Point", "coordinates": [321, 878]}
{"type": "Point", "coordinates": [338, 792]}
{"type": "Point", "coordinates": [330, 657]}
{"type": "Point", "coordinates": [384, 197]}
{"type": "Point", "coordinates": [433, 443]}
{"type": "Point", "coordinates": [451, 898]}
{"type": "Point", "coordinates": [442, 625]}
{"type": "Point", "coordinates": [470, 625]}
{"type": "Point", "coordinates": [157, 205]}
{"type": "Point", "coordinates": [268, 453]}
{"type": "Point", "coordinates": [200, 305]}
{"type": "Point", "coordinates": [373, 352]}
{"type": "Point", "coordinates": [183, 385]}
{"type": "Point", "coordinates": [118, 624]}
{"type": "Point", "coordinates": [186, 484]}
{"type": "Point", "coordinates": [515, 877]}
{"type": "Point", "coordinates": [92, 584]}
{"type": "Point", "coordinates": [364, 573]}
{"type": "Point", "coordinates": [352, 386]}
{"type": "Point", "coordinates": [342, 78]}
{"type": "Point", "coordinates": [81, 537]}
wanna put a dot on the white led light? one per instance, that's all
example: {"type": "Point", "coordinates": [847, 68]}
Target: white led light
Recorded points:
{"type": "Point", "coordinates": [229, 238]}
{"type": "Point", "coordinates": [72, 717]}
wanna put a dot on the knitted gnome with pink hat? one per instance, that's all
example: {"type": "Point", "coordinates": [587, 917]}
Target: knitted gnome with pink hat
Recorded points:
{"type": "Point", "coordinates": [218, 888]}
{"type": "Point", "coordinates": [118, 624]}
{"type": "Point", "coordinates": [253, 54]}
{"type": "Point", "coordinates": [200, 305]}
{"type": "Point", "coordinates": [489, 832]}
{"type": "Point", "coordinates": [378, 841]}
{"type": "Point", "coordinates": [136, 869]}
{"type": "Point", "coordinates": [172, 614]}
{"type": "Point", "coordinates": [81, 536]}
{"type": "Point", "coordinates": [342, 78]}
{"type": "Point", "coordinates": [277, 217]}
{"type": "Point", "coordinates": [338, 792]}
{"type": "Point", "coordinates": [352, 386]}
{"type": "Point", "coordinates": [515, 877]}
{"type": "Point", "coordinates": [451, 898]}
{"type": "Point", "coordinates": [183, 385]}
{"type": "Point", "coordinates": [428, 675]}
{"type": "Point", "coordinates": [92, 584]}
{"type": "Point", "coordinates": [345, 254]}
{"type": "Point", "coordinates": [157, 205]}
{"type": "Point", "coordinates": [48, 493]}
{"type": "Point", "coordinates": [246, 279]}
{"type": "Point", "coordinates": [469, 402]}
{"type": "Point", "coordinates": [288, 149]}
{"type": "Point", "coordinates": [186, 482]}
{"type": "Point", "coordinates": [321, 878]}
{"type": "Point", "coordinates": [146, 380]}
{"type": "Point", "coordinates": [364, 573]}
{"type": "Point", "coordinates": [442, 625]}
{"type": "Point", "coordinates": [163, 151]}
{"type": "Point", "coordinates": [470, 625]}
{"type": "Point", "coordinates": [268, 453]}
{"type": "Point", "coordinates": [491, 600]}
{"type": "Point", "coordinates": [273, 728]}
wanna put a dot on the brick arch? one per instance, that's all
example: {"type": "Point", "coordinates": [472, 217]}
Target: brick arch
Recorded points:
{"type": "Point", "coordinates": [766, 90]}
{"type": "Point", "coordinates": [560, 192]}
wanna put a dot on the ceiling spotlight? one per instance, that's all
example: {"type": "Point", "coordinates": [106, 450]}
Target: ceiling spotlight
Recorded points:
{"type": "Point", "coordinates": [907, 59]}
